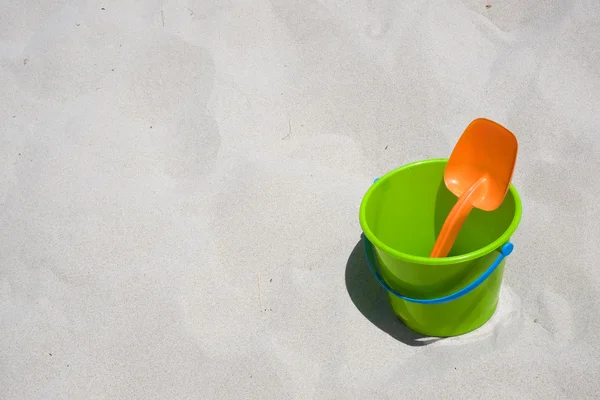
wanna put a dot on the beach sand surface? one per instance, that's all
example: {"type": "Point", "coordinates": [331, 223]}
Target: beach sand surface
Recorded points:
{"type": "Point", "coordinates": [180, 183]}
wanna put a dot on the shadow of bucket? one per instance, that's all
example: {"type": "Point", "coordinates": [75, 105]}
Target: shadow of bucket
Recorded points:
{"type": "Point", "coordinates": [401, 215]}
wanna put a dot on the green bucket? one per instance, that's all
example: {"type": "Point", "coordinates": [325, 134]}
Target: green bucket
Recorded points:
{"type": "Point", "coordinates": [401, 215]}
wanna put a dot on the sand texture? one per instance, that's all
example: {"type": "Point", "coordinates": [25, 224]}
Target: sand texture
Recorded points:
{"type": "Point", "coordinates": [180, 183]}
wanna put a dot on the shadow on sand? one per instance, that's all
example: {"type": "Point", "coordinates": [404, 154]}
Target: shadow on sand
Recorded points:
{"type": "Point", "coordinates": [373, 302]}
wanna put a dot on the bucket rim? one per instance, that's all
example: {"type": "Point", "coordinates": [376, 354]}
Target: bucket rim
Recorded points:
{"type": "Point", "coordinates": [501, 240]}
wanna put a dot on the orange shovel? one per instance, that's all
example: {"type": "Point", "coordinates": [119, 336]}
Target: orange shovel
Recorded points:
{"type": "Point", "coordinates": [478, 172]}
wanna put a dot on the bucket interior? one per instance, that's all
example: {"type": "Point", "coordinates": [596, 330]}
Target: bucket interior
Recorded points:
{"type": "Point", "coordinates": [406, 210]}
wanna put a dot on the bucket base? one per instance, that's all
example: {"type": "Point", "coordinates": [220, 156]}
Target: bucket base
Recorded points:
{"type": "Point", "coordinates": [447, 331]}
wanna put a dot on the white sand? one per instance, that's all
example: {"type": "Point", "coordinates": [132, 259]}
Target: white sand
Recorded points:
{"type": "Point", "coordinates": [160, 158]}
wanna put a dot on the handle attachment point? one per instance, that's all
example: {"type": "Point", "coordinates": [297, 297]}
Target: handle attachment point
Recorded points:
{"type": "Point", "coordinates": [507, 249]}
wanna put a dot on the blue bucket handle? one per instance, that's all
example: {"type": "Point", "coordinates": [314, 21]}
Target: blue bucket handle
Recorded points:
{"type": "Point", "coordinates": [505, 251]}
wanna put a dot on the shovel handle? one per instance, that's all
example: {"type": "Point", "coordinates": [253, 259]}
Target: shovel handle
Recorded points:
{"type": "Point", "coordinates": [454, 222]}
